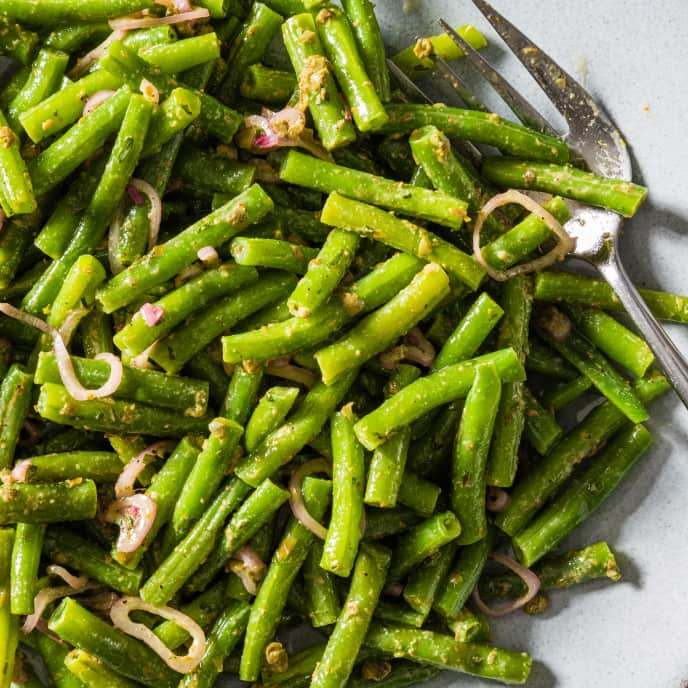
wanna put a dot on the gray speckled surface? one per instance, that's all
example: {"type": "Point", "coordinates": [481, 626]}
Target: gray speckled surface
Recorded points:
{"type": "Point", "coordinates": [632, 56]}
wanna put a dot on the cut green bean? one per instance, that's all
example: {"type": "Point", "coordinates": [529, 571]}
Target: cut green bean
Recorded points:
{"type": "Point", "coordinates": [566, 393]}
{"type": "Point", "coordinates": [207, 173]}
{"type": "Point", "coordinates": [402, 235]}
{"type": "Point", "coordinates": [379, 330]}
{"type": "Point", "coordinates": [93, 673]}
{"type": "Point", "coordinates": [348, 476]}
{"type": "Point", "coordinates": [16, 189]}
{"type": "Point", "coordinates": [583, 495]}
{"type": "Point", "coordinates": [367, 581]}
{"type": "Point", "coordinates": [99, 466]}
{"type": "Point", "coordinates": [426, 393]}
{"type": "Point", "coordinates": [471, 453]}
{"type": "Point", "coordinates": [425, 581]}
{"type": "Point", "coordinates": [15, 399]}
{"type": "Point", "coordinates": [272, 253]}
{"type": "Point", "coordinates": [281, 445]}
{"type": "Point", "coordinates": [26, 556]}
{"type": "Point", "coordinates": [615, 194]}
{"type": "Point", "coordinates": [321, 590]}
{"type": "Point", "coordinates": [436, 206]}
{"type": "Point", "coordinates": [541, 428]}
{"type": "Point", "coordinates": [269, 414]}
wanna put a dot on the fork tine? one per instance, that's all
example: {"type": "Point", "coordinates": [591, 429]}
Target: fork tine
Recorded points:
{"type": "Point", "coordinates": [567, 95]}
{"type": "Point", "coordinates": [411, 89]}
{"type": "Point", "coordinates": [520, 106]}
{"type": "Point", "coordinates": [456, 82]}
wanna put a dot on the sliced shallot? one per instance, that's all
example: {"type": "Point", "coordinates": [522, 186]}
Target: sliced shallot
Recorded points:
{"type": "Point", "coordinates": [497, 499]}
{"type": "Point", "coordinates": [564, 246]}
{"type": "Point", "coordinates": [155, 213]}
{"type": "Point", "coordinates": [76, 582]}
{"type": "Point", "coordinates": [98, 98]}
{"type": "Point", "coordinates": [151, 314]}
{"type": "Point", "coordinates": [20, 472]}
{"type": "Point", "coordinates": [527, 576]}
{"type": "Point", "coordinates": [249, 568]}
{"type": "Point", "coordinates": [94, 55]}
{"type": "Point", "coordinates": [64, 362]}
{"type": "Point", "coordinates": [119, 613]}
{"type": "Point", "coordinates": [124, 487]}
{"type": "Point", "coordinates": [44, 597]}
{"type": "Point", "coordinates": [134, 515]}
{"type": "Point", "coordinates": [130, 23]}
{"type": "Point", "coordinates": [296, 503]}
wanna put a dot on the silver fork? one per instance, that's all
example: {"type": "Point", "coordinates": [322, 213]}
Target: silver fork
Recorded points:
{"type": "Point", "coordinates": [598, 143]}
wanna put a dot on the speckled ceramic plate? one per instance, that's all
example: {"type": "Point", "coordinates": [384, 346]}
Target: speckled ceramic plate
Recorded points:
{"type": "Point", "coordinates": [632, 56]}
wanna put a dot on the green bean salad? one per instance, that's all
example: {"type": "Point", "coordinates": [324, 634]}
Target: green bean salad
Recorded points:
{"type": "Point", "coordinates": [275, 353]}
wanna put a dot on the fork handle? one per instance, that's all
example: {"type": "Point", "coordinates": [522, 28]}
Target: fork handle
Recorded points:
{"type": "Point", "coordinates": [669, 358]}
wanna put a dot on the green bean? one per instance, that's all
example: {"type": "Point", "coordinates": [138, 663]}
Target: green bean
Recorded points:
{"type": "Point", "coordinates": [9, 623]}
{"type": "Point", "coordinates": [15, 240]}
{"type": "Point", "coordinates": [5, 356]}
{"type": "Point", "coordinates": [427, 454]}
{"type": "Point", "coordinates": [54, 653]}
{"type": "Point", "coordinates": [382, 523]}
{"type": "Point", "coordinates": [379, 330]}
{"type": "Point", "coordinates": [203, 480]}
{"type": "Point", "coordinates": [287, 336]}
{"type": "Point", "coordinates": [422, 541]}
{"type": "Point", "coordinates": [367, 581]}
{"type": "Point", "coordinates": [613, 339]}
{"type": "Point", "coordinates": [58, 230]}
{"type": "Point", "coordinates": [175, 114]}
{"type": "Point", "coordinates": [45, 78]}
{"type": "Point", "coordinates": [140, 39]}
{"type": "Point", "coordinates": [426, 393]}
{"type": "Point", "coordinates": [56, 11]}
{"type": "Point", "coordinates": [172, 352]}
{"type": "Point", "coordinates": [242, 392]}
{"type": "Point", "coordinates": [463, 577]}
{"type": "Point", "coordinates": [267, 85]}
{"type": "Point", "coordinates": [119, 651]}
{"type": "Point", "coordinates": [183, 394]}
{"type": "Point", "coordinates": [272, 253]}
{"type": "Point", "coordinates": [584, 440]}
{"type": "Point", "coordinates": [281, 445]}
{"type": "Point", "coordinates": [589, 361]}
{"type": "Point", "coordinates": [414, 63]}
{"type": "Point", "coordinates": [68, 549]}
{"type": "Point", "coordinates": [71, 38]}
{"type": "Point", "coordinates": [386, 471]}
{"type": "Point", "coordinates": [284, 566]}
{"type": "Point", "coordinates": [191, 552]}
{"type": "Point", "coordinates": [215, 118]}
{"type": "Point", "coordinates": [541, 428]}
{"type": "Point", "coordinates": [317, 86]}
{"type": "Point", "coordinates": [324, 272]}
{"type": "Point", "coordinates": [524, 238]}
{"type": "Point", "coordinates": [348, 66]}
{"type": "Point", "coordinates": [22, 283]}
{"type": "Point", "coordinates": [16, 190]}
{"type": "Point", "coordinates": [249, 46]}
{"type": "Point", "coordinates": [471, 453]}
{"type": "Point", "coordinates": [93, 673]}
{"type": "Point", "coordinates": [566, 393]}
{"type": "Point", "coordinates": [348, 476]}
{"type": "Point", "coordinates": [174, 255]}
{"type": "Point", "coordinates": [583, 495]}
{"type": "Point", "coordinates": [96, 334]}
{"type": "Point", "coordinates": [446, 173]}
{"type": "Point", "coordinates": [213, 173]}
{"type": "Point", "coordinates": [321, 590]}
{"type": "Point", "coordinates": [401, 235]}
{"type": "Point", "coordinates": [205, 368]}
{"type": "Point", "coordinates": [253, 514]}
{"type": "Point", "coordinates": [70, 500]}
{"type": "Point", "coordinates": [418, 494]}
{"type": "Point", "coordinates": [444, 652]}
{"type": "Point", "coordinates": [224, 636]}
{"type": "Point", "coordinates": [557, 572]}
{"type": "Point", "coordinates": [425, 582]}
{"type": "Point", "coordinates": [619, 195]}
{"type": "Point", "coordinates": [542, 360]}
{"type": "Point", "coordinates": [436, 206]}
{"type": "Point", "coordinates": [479, 127]}
{"type": "Point", "coordinates": [103, 205]}
{"type": "Point", "coordinates": [361, 14]}
{"type": "Point", "coordinates": [15, 400]}
{"type": "Point", "coordinates": [16, 41]}
{"type": "Point", "coordinates": [179, 56]}
{"type": "Point", "coordinates": [26, 556]}
{"type": "Point", "coordinates": [470, 333]}
{"type": "Point", "coordinates": [99, 466]}
{"type": "Point", "coordinates": [517, 301]}
{"type": "Point", "coordinates": [164, 490]}
{"type": "Point", "coordinates": [400, 613]}
{"type": "Point", "coordinates": [587, 291]}
{"type": "Point", "coordinates": [269, 414]}
{"type": "Point", "coordinates": [137, 335]}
